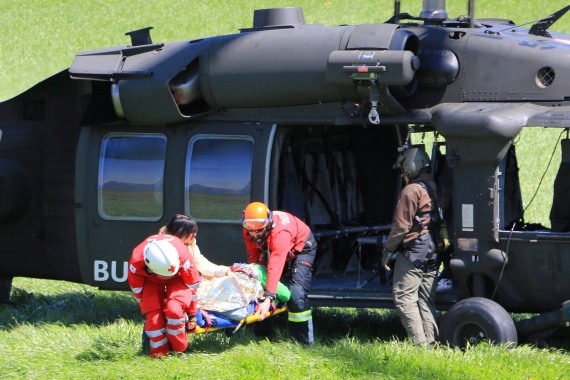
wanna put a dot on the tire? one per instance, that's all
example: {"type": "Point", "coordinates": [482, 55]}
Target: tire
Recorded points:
{"type": "Point", "coordinates": [474, 320]}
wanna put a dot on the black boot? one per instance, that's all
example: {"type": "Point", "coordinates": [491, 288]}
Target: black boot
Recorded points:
{"type": "Point", "coordinates": [301, 332]}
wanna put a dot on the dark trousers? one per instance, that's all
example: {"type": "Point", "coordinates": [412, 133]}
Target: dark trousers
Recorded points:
{"type": "Point", "coordinates": [298, 277]}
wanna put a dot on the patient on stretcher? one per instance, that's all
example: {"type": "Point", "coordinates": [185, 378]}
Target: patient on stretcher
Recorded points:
{"type": "Point", "coordinates": [225, 301]}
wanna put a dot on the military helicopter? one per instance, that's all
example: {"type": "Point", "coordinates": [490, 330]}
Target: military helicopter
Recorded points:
{"type": "Point", "coordinates": [307, 118]}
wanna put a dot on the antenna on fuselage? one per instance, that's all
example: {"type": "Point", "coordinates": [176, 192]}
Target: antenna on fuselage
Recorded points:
{"type": "Point", "coordinates": [396, 17]}
{"type": "Point", "coordinates": [471, 12]}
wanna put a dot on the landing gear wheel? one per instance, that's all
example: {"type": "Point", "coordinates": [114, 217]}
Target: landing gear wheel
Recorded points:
{"type": "Point", "coordinates": [475, 320]}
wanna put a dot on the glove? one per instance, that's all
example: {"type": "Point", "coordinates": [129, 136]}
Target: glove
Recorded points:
{"type": "Point", "coordinates": [387, 261]}
{"type": "Point", "coordinates": [191, 324]}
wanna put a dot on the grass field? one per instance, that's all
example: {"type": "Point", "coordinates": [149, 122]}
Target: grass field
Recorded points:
{"type": "Point", "coordinates": [59, 330]}
{"type": "Point", "coordinates": [67, 331]}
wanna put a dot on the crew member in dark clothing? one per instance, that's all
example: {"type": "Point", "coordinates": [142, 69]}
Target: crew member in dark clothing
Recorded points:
{"type": "Point", "coordinates": [415, 267]}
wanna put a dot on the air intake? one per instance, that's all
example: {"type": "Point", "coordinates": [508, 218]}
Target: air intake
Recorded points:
{"type": "Point", "coordinates": [278, 17]}
{"type": "Point", "coordinates": [433, 10]}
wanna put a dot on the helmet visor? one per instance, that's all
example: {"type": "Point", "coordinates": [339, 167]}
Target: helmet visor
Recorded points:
{"type": "Point", "coordinates": [255, 225]}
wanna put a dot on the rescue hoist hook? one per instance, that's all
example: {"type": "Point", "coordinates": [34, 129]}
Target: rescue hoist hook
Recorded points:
{"type": "Point", "coordinates": [373, 115]}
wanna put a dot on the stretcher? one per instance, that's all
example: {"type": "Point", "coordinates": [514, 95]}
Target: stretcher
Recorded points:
{"type": "Point", "coordinates": [230, 302]}
{"type": "Point", "coordinates": [211, 321]}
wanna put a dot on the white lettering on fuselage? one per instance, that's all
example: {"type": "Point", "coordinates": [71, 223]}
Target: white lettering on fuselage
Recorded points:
{"type": "Point", "coordinates": [101, 271]}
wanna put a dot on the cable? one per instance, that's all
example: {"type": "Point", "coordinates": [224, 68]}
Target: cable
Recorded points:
{"type": "Point", "coordinates": [504, 262]}
{"type": "Point", "coordinates": [545, 171]}
{"type": "Point", "coordinates": [523, 212]}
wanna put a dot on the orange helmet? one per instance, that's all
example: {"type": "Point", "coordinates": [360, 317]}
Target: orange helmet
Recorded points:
{"type": "Point", "coordinates": [256, 216]}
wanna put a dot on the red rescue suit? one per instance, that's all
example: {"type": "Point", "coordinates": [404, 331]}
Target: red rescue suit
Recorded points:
{"type": "Point", "coordinates": [164, 301]}
{"type": "Point", "coordinates": [286, 239]}
{"type": "Point", "coordinates": [288, 251]}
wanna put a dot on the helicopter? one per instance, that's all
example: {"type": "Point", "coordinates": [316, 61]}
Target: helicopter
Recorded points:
{"type": "Point", "coordinates": [309, 119]}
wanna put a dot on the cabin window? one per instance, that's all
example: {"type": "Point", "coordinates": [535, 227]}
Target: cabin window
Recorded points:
{"type": "Point", "coordinates": [131, 176]}
{"type": "Point", "coordinates": [218, 177]}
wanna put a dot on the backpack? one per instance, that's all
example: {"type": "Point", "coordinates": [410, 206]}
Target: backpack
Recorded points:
{"type": "Point", "coordinates": [437, 225]}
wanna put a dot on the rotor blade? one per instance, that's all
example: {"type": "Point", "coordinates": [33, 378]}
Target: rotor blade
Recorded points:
{"type": "Point", "coordinates": [504, 118]}
{"type": "Point", "coordinates": [541, 26]}
{"type": "Point", "coordinates": [551, 117]}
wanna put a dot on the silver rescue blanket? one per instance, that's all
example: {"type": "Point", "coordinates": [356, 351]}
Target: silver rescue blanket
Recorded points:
{"type": "Point", "coordinates": [230, 296]}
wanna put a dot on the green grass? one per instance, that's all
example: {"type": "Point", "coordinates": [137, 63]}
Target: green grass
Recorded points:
{"type": "Point", "coordinates": [538, 153]}
{"type": "Point", "coordinates": [60, 330]}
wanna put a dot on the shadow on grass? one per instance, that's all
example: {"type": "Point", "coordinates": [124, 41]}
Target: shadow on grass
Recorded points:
{"type": "Point", "coordinates": [362, 324]}
{"type": "Point", "coordinates": [95, 307]}
{"type": "Point", "coordinates": [217, 341]}
{"type": "Point", "coordinates": [330, 325]}
{"type": "Point", "coordinates": [557, 339]}
{"type": "Point", "coordinates": [88, 306]}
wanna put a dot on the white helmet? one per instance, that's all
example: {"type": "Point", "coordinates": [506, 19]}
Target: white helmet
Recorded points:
{"type": "Point", "coordinates": [162, 257]}
{"type": "Point", "coordinates": [412, 160]}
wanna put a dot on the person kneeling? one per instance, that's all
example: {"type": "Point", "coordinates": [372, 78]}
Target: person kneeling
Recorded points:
{"type": "Point", "coordinates": [163, 279]}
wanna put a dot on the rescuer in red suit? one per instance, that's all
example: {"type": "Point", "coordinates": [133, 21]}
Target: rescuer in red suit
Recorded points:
{"type": "Point", "coordinates": [163, 278]}
{"type": "Point", "coordinates": [285, 245]}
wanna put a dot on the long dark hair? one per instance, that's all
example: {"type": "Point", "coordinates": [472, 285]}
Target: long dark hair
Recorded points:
{"type": "Point", "coordinates": [181, 226]}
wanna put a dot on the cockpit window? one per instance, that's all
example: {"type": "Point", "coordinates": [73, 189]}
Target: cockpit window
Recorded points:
{"type": "Point", "coordinates": [218, 177]}
{"type": "Point", "coordinates": [131, 176]}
